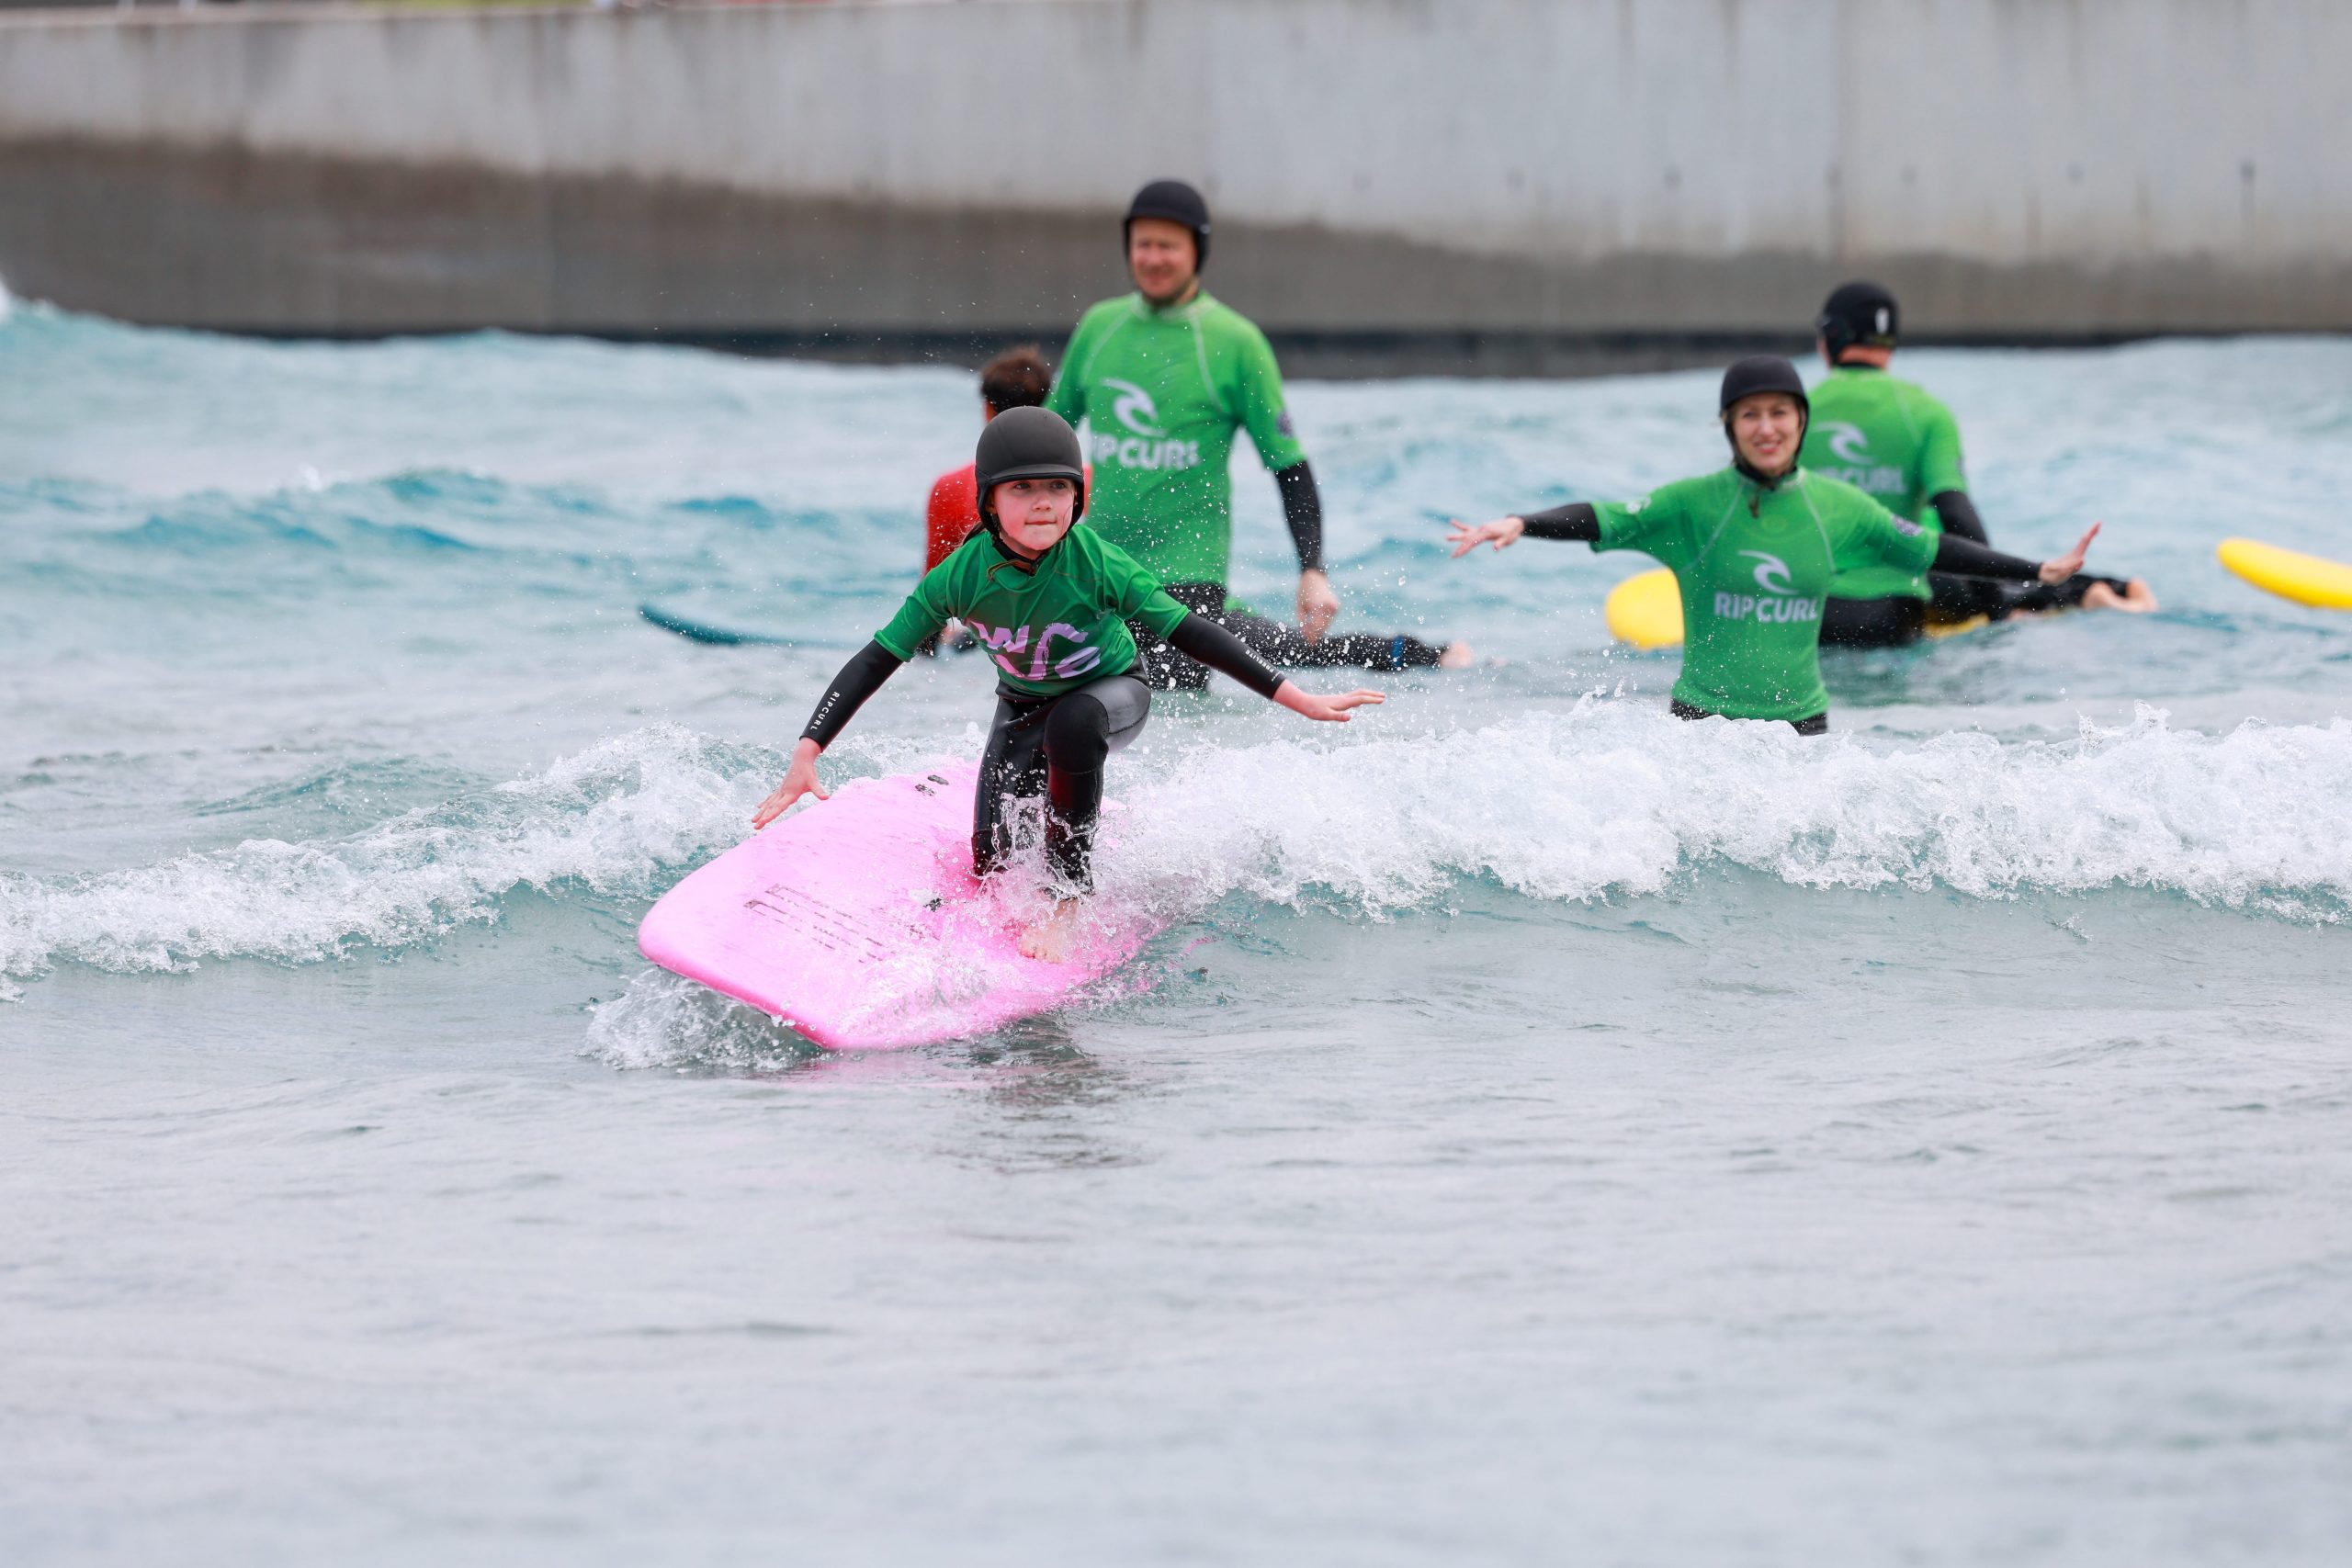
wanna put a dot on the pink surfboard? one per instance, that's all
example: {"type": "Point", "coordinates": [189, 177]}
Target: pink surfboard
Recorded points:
{"type": "Point", "coordinates": [857, 922]}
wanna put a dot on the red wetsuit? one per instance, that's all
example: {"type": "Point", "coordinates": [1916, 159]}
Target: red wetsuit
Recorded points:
{"type": "Point", "coordinates": [953, 513]}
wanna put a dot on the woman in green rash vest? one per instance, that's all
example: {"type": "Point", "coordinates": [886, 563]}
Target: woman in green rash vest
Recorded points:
{"type": "Point", "coordinates": [1050, 602]}
{"type": "Point", "coordinates": [1754, 547]}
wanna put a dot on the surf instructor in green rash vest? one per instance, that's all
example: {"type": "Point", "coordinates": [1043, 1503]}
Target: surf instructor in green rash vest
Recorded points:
{"type": "Point", "coordinates": [1165, 377]}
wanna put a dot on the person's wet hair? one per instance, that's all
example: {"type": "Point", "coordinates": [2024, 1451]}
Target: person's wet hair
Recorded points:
{"type": "Point", "coordinates": [1017, 378]}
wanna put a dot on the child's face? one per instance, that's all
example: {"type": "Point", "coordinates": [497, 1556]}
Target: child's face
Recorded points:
{"type": "Point", "coordinates": [1034, 515]}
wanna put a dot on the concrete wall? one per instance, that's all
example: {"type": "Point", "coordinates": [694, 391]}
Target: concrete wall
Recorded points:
{"type": "Point", "coordinates": [1509, 176]}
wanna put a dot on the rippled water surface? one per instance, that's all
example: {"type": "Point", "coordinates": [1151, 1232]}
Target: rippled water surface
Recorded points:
{"type": "Point", "coordinates": [1546, 1131]}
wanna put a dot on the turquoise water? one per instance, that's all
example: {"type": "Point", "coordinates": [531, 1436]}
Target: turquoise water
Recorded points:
{"type": "Point", "coordinates": [1547, 1131]}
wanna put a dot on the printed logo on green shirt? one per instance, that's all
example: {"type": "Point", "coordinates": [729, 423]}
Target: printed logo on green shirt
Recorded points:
{"type": "Point", "coordinates": [1852, 448]}
{"type": "Point", "coordinates": [1005, 643]}
{"type": "Point", "coordinates": [1146, 446]}
{"type": "Point", "coordinates": [1779, 604]}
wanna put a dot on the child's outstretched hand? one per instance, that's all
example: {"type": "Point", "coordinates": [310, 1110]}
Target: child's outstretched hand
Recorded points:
{"type": "Point", "coordinates": [1502, 532]}
{"type": "Point", "coordinates": [1328, 710]}
{"type": "Point", "coordinates": [798, 780]}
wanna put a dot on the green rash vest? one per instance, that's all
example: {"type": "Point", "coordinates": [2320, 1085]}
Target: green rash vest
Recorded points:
{"type": "Point", "coordinates": [1753, 582]}
{"type": "Point", "coordinates": [1893, 442]}
{"type": "Point", "coordinates": [1162, 393]}
{"type": "Point", "coordinates": [1050, 630]}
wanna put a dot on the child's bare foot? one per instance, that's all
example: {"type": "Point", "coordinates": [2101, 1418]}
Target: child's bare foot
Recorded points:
{"type": "Point", "coordinates": [1052, 938]}
{"type": "Point", "coordinates": [1456, 656]}
{"type": "Point", "coordinates": [2137, 598]}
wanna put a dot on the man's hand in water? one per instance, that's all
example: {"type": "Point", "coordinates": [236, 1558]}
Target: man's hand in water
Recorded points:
{"type": "Point", "coordinates": [1317, 605]}
{"type": "Point", "coordinates": [1330, 710]}
{"type": "Point", "coordinates": [2060, 569]}
{"type": "Point", "coordinates": [1501, 532]}
{"type": "Point", "coordinates": [798, 780]}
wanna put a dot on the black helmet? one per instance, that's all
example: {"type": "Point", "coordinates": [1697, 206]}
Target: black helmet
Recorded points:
{"type": "Point", "coordinates": [1857, 313]}
{"type": "Point", "coordinates": [1762, 373]}
{"type": "Point", "coordinates": [1178, 203]}
{"type": "Point", "coordinates": [1027, 443]}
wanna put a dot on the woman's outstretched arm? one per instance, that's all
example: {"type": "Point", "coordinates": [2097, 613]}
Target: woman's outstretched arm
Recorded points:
{"type": "Point", "coordinates": [1577, 522]}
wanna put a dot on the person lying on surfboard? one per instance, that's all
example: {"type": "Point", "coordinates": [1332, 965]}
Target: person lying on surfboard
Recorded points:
{"type": "Point", "coordinates": [1050, 601]}
{"type": "Point", "coordinates": [1754, 547]}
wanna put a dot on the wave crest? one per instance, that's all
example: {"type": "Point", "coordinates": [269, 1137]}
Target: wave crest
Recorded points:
{"type": "Point", "coordinates": [1605, 799]}
{"type": "Point", "coordinates": [1610, 798]}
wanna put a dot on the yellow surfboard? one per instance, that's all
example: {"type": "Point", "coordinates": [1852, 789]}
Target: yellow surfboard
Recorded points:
{"type": "Point", "coordinates": [2307, 579]}
{"type": "Point", "coordinates": [1647, 611]}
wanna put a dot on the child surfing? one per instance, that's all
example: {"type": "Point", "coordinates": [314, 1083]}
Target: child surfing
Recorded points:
{"type": "Point", "coordinates": [1050, 602]}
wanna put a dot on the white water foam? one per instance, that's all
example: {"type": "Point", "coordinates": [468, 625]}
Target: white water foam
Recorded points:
{"type": "Point", "coordinates": [610, 817]}
{"type": "Point", "coordinates": [1614, 798]}
{"type": "Point", "coordinates": [1607, 800]}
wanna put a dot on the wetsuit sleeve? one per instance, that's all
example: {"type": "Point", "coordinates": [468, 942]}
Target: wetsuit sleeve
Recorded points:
{"type": "Point", "coordinates": [858, 680]}
{"type": "Point", "coordinates": [1965, 558]}
{"type": "Point", "coordinates": [1303, 510]}
{"type": "Point", "coordinates": [925, 613]}
{"type": "Point", "coordinates": [1263, 412]}
{"type": "Point", "coordinates": [1197, 637]}
{"type": "Point", "coordinates": [1958, 514]}
{"type": "Point", "coordinates": [1577, 521]}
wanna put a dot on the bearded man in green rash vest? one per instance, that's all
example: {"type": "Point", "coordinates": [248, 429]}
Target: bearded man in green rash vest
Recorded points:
{"type": "Point", "coordinates": [1164, 378]}
{"type": "Point", "coordinates": [1890, 439]}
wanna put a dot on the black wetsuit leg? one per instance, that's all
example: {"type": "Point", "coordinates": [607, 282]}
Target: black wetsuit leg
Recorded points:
{"type": "Point", "coordinates": [1272, 641]}
{"type": "Point", "coordinates": [1818, 724]}
{"type": "Point", "coordinates": [1873, 623]}
{"type": "Point", "coordinates": [1054, 747]}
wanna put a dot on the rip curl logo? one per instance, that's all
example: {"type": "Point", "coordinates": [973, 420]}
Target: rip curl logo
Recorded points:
{"type": "Point", "coordinates": [1779, 604]}
{"type": "Point", "coordinates": [1149, 447]}
{"type": "Point", "coordinates": [1134, 407]}
{"type": "Point", "coordinates": [1771, 573]}
{"type": "Point", "coordinates": [1848, 443]}
{"type": "Point", "coordinates": [1853, 450]}
{"type": "Point", "coordinates": [1006, 643]}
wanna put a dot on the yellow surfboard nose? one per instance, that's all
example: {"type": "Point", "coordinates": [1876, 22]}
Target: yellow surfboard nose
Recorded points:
{"type": "Point", "coordinates": [2307, 579]}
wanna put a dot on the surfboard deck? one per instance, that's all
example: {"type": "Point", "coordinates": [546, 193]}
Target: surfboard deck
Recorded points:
{"type": "Point", "coordinates": [1647, 611]}
{"type": "Point", "coordinates": [857, 922]}
{"type": "Point", "coordinates": [2315, 581]}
